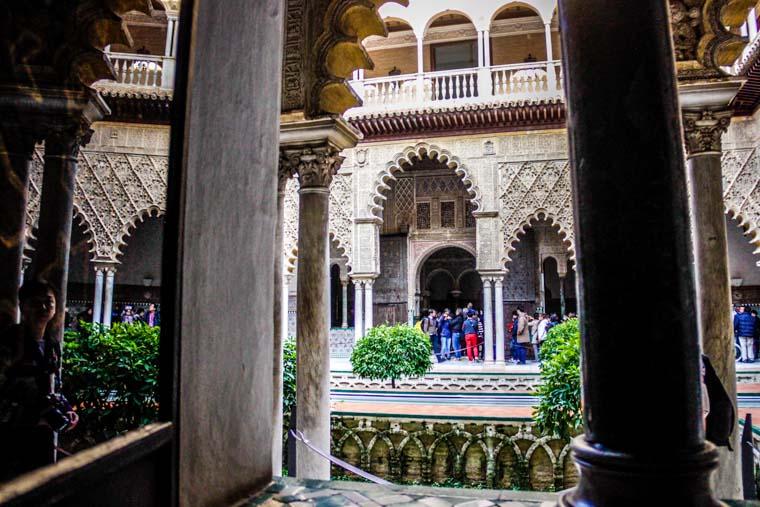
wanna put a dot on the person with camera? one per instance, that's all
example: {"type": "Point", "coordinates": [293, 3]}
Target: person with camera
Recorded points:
{"type": "Point", "coordinates": [30, 409]}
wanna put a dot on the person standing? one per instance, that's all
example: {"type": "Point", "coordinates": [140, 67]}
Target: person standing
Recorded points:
{"type": "Point", "coordinates": [430, 328]}
{"type": "Point", "coordinates": [522, 336]}
{"type": "Point", "coordinates": [444, 324]}
{"type": "Point", "coordinates": [512, 330]}
{"type": "Point", "coordinates": [29, 410]}
{"type": "Point", "coordinates": [541, 331]}
{"type": "Point", "coordinates": [470, 330]}
{"type": "Point", "coordinates": [152, 317]}
{"type": "Point", "coordinates": [456, 333]}
{"type": "Point", "coordinates": [744, 329]}
{"type": "Point", "coordinates": [757, 330]}
{"type": "Point", "coordinates": [533, 329]}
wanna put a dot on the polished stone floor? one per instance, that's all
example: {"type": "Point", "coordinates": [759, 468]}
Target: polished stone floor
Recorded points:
{"type": "Point", "coordinates": [291, 492]}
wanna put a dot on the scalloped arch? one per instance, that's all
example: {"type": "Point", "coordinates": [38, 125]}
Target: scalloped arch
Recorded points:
{"type": "Point", "coordinates": [750, 229]}
{"type": "Point", "coordinates": [407, 157]}
{"type": "Point", "coordinates": [128, 228]}
{"type": "Point", "coordinates": [78, 215]}
{"type": "Point", "coordinates": [563, 229]}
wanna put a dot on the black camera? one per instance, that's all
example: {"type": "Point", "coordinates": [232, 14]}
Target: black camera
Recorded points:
{"type": "Point", "coordinates": [56, 413]}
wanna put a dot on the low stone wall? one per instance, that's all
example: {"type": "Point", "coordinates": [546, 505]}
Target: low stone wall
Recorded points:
{"type": "Point", "coordinates": [500, 455]}
{"type": "Point", "coordinates": [450, 382]}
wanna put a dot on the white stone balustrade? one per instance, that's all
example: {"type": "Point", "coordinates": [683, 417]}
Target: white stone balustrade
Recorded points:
{"type": "Point", "coordinates": [524, 82]}
{"type": "Point", "coordinates": [143, 70]}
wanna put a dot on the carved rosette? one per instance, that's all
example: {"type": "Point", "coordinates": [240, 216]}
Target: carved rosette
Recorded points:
{"type": "Point", "coordinates": [315, 167]}
{"type": "Point", "coordinates": [703, 130]}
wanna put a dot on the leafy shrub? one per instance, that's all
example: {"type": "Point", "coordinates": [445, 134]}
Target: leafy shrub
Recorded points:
{"type": "Point", "coordinates": [392, 353]}
{"type": "Point", "coordinates": [288, 380]}
{"type": "Point", "coordinates": [111, 376]}
{"type": "Point", "coordinates": [559, 409]}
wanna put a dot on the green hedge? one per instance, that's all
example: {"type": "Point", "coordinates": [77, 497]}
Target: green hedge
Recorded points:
{"type": "Point", "coordinates": [559, 410]}
{"type": "Point", "coordinates": [111, 376]}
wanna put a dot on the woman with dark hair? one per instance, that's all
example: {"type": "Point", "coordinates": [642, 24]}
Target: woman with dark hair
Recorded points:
{"type": "Point", "coordinates": [29, 411]}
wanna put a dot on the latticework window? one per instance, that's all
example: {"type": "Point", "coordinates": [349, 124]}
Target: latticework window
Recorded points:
{"type": "Point", "coordinates": [423, 215]}
{"type": "Point", "coordinates": [404, 201]}
{"type": "Point", "coordinates": [469, 218]}
{"type": "Point", "coordinates": [448, 214]}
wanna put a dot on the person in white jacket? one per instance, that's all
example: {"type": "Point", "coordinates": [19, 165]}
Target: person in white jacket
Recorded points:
{"type": "Point", "coordinates": [543, 320]}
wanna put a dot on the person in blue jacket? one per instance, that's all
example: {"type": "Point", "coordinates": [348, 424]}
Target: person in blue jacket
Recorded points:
{"type": "Point", "coordinates": [744, 329]}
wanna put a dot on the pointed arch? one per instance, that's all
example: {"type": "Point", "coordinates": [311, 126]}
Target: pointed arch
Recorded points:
{"type": "Point", "coordinates": [407, 158]}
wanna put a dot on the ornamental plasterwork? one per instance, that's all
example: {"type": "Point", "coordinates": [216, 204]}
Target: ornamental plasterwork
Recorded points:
{"type": "Point", "coordinates": [741, 190]}
{"type": "Point", "coordinates": [114, 191]}
{"type": "Point", "coordinates": [407, 158]}
{"type": "Point", "coordinates": [533, 190]}
{"type": "Point", "coordinates": [341, 218]}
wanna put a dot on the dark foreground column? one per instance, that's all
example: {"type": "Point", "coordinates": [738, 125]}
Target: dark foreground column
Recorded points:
{"type": "Point", "coordinates": [51, 257]}
{"type": "Point", "coordinates": [631, 207]}
{"type": "Point", "coordinates": [313, 151]}
{"type": "Point", "coordinates": [16, 151]}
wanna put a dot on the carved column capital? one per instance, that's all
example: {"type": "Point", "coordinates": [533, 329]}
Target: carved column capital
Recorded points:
{"type": "Point", "coordinates": [314, 166]}
{"type": "Point", "coordinates": [286, 169]}
{"type": "Point", "coordinates": [703, 130]}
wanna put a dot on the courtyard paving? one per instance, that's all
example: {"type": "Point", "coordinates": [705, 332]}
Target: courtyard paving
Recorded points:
{"type": "Point", "coordinates": [294, 493]}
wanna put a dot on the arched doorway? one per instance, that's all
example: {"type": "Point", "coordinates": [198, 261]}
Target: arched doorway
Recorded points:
{"type": "Point", "coordinates": [448, 280]}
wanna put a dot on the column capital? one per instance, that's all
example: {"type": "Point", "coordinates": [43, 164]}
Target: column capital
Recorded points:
{"type": "Point", "coordinates": [107, 266]}
{"type": "Point", "coordinates": [703, 129]}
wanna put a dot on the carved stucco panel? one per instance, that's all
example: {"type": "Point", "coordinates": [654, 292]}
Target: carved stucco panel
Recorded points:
{"type": "Point", "coordinates": [531, 190]}
{"type": "Point", "coordinates": [341, 218]}
{"type": "Point", "coordinates": [113, 192]}
{"type": "Point", "coordinates": [741, 190]}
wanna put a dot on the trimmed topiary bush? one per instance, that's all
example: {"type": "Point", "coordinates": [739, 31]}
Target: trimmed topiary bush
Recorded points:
{"type": "Point", "coordinates": [559, 409]}
{"type": "Point", "coordinates": [392, 353]}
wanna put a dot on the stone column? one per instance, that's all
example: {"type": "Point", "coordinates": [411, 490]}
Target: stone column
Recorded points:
{"type": "Point", "coordinates": [498, 286]}
{"type": "Point", "coordinates": [542, 287]}
{"type": "Point", "coordinates": [108, 298]}
{"type": "Point", "coordinates": [487, 319]}
{"type": "Point", "coordinates": [279, 328]}
{"type": "Point", "coordinates": [369, 306]}
{"type": "Point", "coordinates": [619, 161]}
{"type": "Point", "coordinates": [481, 53]}
{"type": "Point", "coordinates": [97, 301]}
{"type": "Point", "coordinates": [315, 170]}
{"type": "Point", "coordinates": [561, 296]}
{"type": "Point", "coordinates": [344, 303]}
{"type": "Point", "coordinates": [16, 150]}
{"type": "Point", "coordinates": [312, 149]}
{"type": "Point", "coordinates": [548, 35]}
{"type": "Point", "coordinates": [486, 48]}
{"type": "Point", "coordinates": [703, 130]}
{"type": "Point", "coordinates": [358, 311]}
{"type": "Point", "coordinates": [51, 257]}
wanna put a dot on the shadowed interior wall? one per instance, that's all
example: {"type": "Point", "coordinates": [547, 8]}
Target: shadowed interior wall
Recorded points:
{"type": "Point", "coordinates": [231, 135]}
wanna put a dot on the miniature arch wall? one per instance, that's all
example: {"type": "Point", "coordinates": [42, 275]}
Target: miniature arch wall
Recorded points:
{"type": "Point", "coordinates": [424, 255]}
{"type": "Point", "coordinates": [407, 157]}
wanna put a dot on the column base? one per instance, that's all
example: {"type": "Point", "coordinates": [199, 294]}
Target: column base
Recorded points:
{"type": "Point", "coordinates": [612, 478]}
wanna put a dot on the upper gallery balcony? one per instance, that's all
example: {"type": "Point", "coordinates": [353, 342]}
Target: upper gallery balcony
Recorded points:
{"type": "Point", "coordinates": [148, 67]}
{"type": "Point", "coordinates": [490, 53]}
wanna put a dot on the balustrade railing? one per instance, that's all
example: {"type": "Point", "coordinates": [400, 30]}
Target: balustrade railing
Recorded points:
{"type": "Point", "coordinates": [539, 80]}
{"type": "Point", "coordinates": [143, 70]}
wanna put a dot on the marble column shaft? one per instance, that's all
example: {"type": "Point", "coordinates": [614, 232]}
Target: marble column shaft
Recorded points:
{"type": "Point", "coordinates": [703, 130]}
{"type": "Point", "coordinates": [369, 306]}
{"type": "Point", "coordinates": [344, 304]}
{"type": "Point", "coordinates": [16, 151]}
{"type": "Point", "coordinates": [358, 311]}
{"type": "Point", "coordinates": [315, 171]}
{"type": "Point", "coordinates": [97, 302]}
{"type": "Point", "coordinates": [626, 149]}
{"type": "Point", "coordinates": [108, 296]}
{"type": "Point", "coordinates": [51, 257]}
{"type": "Point", "coordinates": [562, 296]}
{"type": "Point", "coordinates": [499, 311]}
{"type": "Point", "coordinates": [488, 319]}
{"type": "Point", "coordinates": [278, 302]}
